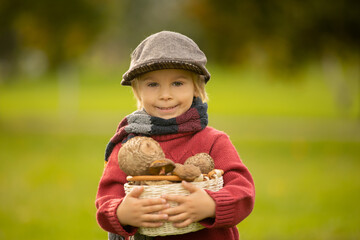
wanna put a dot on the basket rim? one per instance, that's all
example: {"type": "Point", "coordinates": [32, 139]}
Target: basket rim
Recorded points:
{"type": "Point", "coordinates": [176, 184]}
{"type": "Point", "coordinates": [210, 176]}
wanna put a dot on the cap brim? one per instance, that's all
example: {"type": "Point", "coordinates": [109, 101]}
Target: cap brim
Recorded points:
{"type": "Point", "coordinates": [148, 67]}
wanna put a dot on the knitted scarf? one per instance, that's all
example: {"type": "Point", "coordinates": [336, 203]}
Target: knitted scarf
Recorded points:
{"type": "Point", "coordinates": [140, 123]}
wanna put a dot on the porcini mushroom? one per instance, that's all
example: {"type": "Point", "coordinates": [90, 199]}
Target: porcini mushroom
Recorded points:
{"type": "Point", "coordinates": [161, 167]}
{"type": "Point", "coordinates": [187, 172]}
{"type": "Point", "coordinates": [136, 155]}
{"type": "Point", "coordinates": [203, 161]}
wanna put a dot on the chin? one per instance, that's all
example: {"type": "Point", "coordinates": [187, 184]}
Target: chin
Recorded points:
{"type": "Point", "coordinates": [167, 117]}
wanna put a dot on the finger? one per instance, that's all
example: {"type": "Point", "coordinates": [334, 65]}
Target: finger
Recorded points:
{"type": "Point", "coordinates": [156, 208]}
{"type": "Point", "coordinates": [174, 198]}
{"type": "Point", "coordinates": [153, 201]}
{"type": "Point", "coordinates": [154, 217]}
{"type": "Point", "coordinates": [190, 187]}
{"type": "Point", "coordinates": [136, 192]}
{"type": "Point", "coordinates": [151, 224]}
{"type": "Point", "coordinates": [171, 211]}
{"type": "Point", "coordinates": [178, 217]}
{"type": "Point", "coordinates": [185, 223]}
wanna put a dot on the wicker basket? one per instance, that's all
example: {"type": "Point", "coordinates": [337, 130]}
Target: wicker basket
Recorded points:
{"type": "Point", "coordinates": [155, 191]}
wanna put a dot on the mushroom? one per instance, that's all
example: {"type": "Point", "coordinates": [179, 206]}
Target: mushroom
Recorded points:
{"type": "Point", "coordinates": [136, 155]}
{"type": "Point", "coordinates": [215, 173]}
{"type": "Point", "coordinates": [202, 160]}
{"type": "Point", "coordinates": [187, 172]}
{"type": "Point", "coordinates": [161, 167]}
{"type": "Point", "coordinates": [199, 178]}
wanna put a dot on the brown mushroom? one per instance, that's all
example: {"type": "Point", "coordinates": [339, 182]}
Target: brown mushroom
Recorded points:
{"type": "Point", "coordinates": [161, 167]}
{"type": "Point", "coordinates": [136, 155]}
{"type": "Point", "coordinates": [187, 172]}
{"type": "Point", "coordinates": [202, 160]}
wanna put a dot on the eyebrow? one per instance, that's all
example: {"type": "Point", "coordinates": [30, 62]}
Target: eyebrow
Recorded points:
{"type": "Point", "coordinates": [176, 77]}
{"type": "Point", "coordinates": [148, 78]}
{"type": "Point", "coordinates": [182, 76]}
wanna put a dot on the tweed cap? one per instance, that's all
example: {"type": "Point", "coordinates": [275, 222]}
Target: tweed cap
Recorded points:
{"type": "Point", "coordinates": [166, 50]}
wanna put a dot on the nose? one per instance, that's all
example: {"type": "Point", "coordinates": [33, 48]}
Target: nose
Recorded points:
{"type": "Point", "coordinates": [165, 93]}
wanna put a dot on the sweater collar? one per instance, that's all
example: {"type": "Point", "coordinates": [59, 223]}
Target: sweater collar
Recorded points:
{"type": "Point", "coordinates": [167, 137]}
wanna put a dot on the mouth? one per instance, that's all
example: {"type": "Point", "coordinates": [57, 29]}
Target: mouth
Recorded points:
{"type": "Point", "coordinates": [167, 108]}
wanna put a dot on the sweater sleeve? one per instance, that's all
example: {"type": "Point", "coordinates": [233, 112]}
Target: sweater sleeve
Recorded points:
{"type": "Point", "coordinates": [110, 195]}
{"type": "Point", "coordinates": [235, 201]}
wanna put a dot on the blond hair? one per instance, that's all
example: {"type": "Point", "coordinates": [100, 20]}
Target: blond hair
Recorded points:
{"type": "Point", "coordinates": [199, 84]}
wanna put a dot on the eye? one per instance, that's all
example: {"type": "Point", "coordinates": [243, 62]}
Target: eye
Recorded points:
{"type": "Point", "coordinates": [177, 84]}
{"type": "Point", "coordinates": [152, 84]}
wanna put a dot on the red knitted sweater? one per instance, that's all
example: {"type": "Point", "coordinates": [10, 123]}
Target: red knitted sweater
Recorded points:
{"type": "Point", "coordinates": [234, 202]}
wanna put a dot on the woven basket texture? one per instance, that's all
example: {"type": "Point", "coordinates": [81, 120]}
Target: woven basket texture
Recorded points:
{"type": "Point", "coordinates": [156, 191]}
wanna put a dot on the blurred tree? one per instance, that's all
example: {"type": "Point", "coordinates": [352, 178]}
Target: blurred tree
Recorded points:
{"type": "Point", "coordinates": [142, 18]}
{"type": "Point", "coordinates": [261, 33]}
{"type": "Point", "coordinates": [276, 32]}
{"type": "Point", "coordinates": [60, 29]}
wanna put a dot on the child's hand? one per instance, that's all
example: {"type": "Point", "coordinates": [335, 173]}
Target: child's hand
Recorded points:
{"type": "Point", "coordinates": [141, 212]}
{"type": "Point", "coordinates": [192, 208]}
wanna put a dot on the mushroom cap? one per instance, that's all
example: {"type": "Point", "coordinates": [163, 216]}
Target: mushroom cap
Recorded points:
{"type": "Point", "coordinates": [136, 155]}
{"type": "Point", "coordinates": [187, 172]}
{"type": "Point", "coordinates": [202, 160]}
{"type": "Point", "coordinates": [161, 167]}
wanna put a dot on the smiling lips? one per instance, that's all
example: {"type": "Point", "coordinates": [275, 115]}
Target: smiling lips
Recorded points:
{"type": "Point", "coordinates": [167, 108]}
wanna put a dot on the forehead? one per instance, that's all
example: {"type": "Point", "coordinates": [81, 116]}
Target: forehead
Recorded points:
{"type": "Point", "coordinates": [167, 73]}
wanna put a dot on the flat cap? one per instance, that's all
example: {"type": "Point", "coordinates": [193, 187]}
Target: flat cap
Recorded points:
{"type": "Point", "coordinates": [166, 50]}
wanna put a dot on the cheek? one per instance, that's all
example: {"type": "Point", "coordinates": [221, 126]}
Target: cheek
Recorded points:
{"type": "Point", "coordinates": [190, 98]}
{"type": "Point", "coordinates": [146, 98]}
{"type": "Point", "coordinates": [142, 94]}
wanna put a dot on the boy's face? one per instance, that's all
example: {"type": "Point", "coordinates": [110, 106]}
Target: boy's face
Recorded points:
{"type": "Point", "coordinates": [166, 93]}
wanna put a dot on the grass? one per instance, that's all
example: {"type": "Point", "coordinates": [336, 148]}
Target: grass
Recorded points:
{"type": "Point", "coordinates": [302, 151]}
{"type": "Point", "coordinates": [305, 190]}
{"type": "Point", "coordinates": [48, 186]}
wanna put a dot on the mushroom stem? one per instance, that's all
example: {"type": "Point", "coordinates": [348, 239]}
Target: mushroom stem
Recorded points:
{"type": "Point", "coordinates": [215, 173]}
{"type": "Point", "coordinates": [162, 171]}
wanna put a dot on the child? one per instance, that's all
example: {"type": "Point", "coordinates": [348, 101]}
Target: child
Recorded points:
{"type": "Point", "coordinates": [168, 76]}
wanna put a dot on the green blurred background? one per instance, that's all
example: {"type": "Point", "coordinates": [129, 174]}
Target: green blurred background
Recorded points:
{"type": "Point", "coordinates": [285, 87]}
